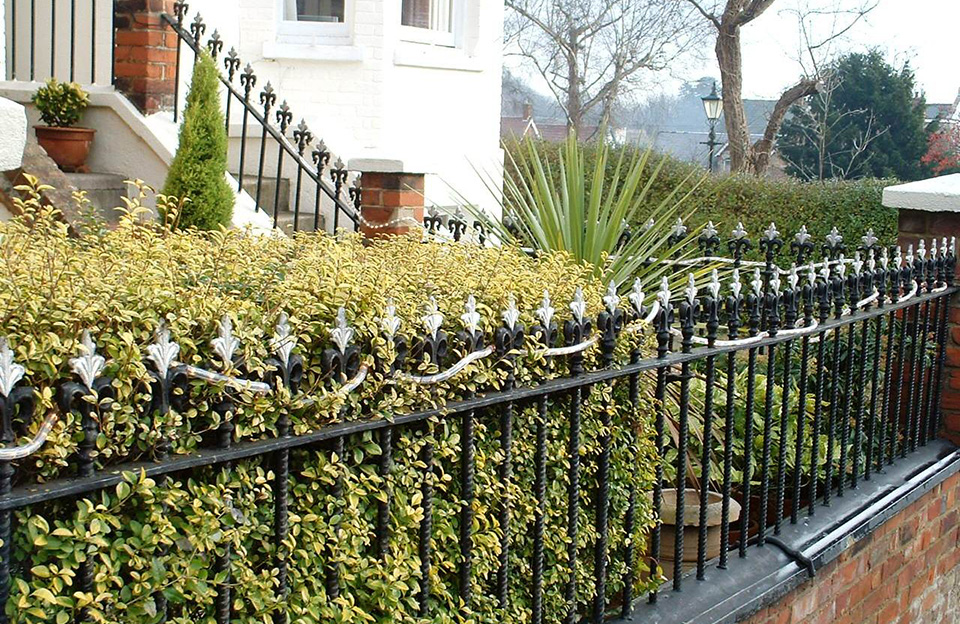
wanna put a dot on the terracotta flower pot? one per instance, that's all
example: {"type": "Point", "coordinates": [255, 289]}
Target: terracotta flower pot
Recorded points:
{"type": "Point", "coordinates": [691, 521]}
{"type": "Point", "coordinates": [68, 147]}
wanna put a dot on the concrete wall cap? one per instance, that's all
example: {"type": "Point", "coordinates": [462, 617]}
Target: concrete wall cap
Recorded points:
{"type": "Point", "coordinates": [932, 195]}
{"type": "Point", "coordinates": [377, 165]}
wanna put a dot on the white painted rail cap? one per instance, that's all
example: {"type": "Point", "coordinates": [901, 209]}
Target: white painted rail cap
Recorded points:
{"type": "Point", "coordinates": [932, 195]}
{"type": "Point", "coordinates": [13, 134]}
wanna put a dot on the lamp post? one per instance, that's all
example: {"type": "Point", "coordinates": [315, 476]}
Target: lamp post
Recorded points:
{"type": "Point", "coordinates": [713, 106]}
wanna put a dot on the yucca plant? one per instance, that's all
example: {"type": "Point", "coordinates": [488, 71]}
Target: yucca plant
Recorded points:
{"type": "Point", "coordinates": [567, 205]}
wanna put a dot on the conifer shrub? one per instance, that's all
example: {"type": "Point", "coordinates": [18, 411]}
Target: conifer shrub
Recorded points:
{"type": "Point", "coordinates": [199, 167]}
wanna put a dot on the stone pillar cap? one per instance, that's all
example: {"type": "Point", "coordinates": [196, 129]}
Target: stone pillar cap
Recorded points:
{"type": "Point", "coordinates": [383, 165]}
{"type": "Point", "coordinates": [932, 195]}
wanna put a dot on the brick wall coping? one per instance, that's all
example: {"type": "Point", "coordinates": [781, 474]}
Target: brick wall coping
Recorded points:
{"type": "Point", "coordinates": [769, 572]}
{"type": "Point", "coordinates": [933, 195]}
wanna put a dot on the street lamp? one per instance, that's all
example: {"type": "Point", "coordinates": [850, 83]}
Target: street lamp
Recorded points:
{"type": "Point", "coordinates": [713, 106]}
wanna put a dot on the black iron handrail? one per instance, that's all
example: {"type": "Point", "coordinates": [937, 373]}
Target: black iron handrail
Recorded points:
{"type": "Point", "coordinates": [348, 207]}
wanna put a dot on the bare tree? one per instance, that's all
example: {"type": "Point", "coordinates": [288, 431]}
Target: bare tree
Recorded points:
{"type": "Point", "coordinates": [728, 17]}
{"type": "Point", "coordinates": [589, 52]}
{"type": "Point", "coordinates": [818, 124]}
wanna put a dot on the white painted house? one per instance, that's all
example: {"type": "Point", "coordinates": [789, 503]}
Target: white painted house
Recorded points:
{"type": "Point", "coordinates": [409, 86]}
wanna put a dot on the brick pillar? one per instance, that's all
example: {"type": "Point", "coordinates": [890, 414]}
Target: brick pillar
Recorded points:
{"type": "Point", "coordinates": [926, 224]}
{"type": "Point", "coordinates": [390, 198]}
{"type": "Point", "coordinates": [145, 54]}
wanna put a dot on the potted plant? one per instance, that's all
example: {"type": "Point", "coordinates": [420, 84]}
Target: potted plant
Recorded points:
{"type": "Point", "coordinates": [61, 105]}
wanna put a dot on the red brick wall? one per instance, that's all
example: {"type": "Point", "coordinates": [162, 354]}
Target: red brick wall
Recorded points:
{"type": "Point", "coordinates": [907, 571]}
{"type": "Point", "coordinates": [393, 200]}
{"type": "Point", "coordinates": [920, 224]}
{"type": "Point", "coordinates": [145, 54]}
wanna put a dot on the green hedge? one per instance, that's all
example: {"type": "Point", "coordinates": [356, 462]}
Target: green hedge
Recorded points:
{"type": "Point", "coordinates": [852, 207]}
{"type": "Point", "coordinates": [145, 537]}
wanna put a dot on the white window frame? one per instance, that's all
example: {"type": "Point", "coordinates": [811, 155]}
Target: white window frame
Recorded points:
{"type": "Point", "coordinates": [452, 39]}
{"type": "Point", "coordinates": [315, 33]}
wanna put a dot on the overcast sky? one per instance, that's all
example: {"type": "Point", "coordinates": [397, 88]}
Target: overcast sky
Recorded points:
{"type": "Point", "coordinates": [922, 31]}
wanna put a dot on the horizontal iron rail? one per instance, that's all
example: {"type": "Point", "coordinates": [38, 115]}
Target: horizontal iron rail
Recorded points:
{"type": "Point", "coordinates": [37, 493]}
{"type": "Point", "coordinates": [315, 175]}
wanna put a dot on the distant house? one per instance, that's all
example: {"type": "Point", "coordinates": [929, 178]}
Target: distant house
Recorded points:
{"type": "Point", "coordinates": [683, 131]}
{"type": "Point", "coordinates": [524, 125]}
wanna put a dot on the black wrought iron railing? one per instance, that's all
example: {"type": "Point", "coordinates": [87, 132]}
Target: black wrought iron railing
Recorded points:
{"type": "Point", "coordinates": [298, 186]}
{"type": "Point", "coordinates": [768, 398]}
{"type": "Point", "coordinates": [62, 39]}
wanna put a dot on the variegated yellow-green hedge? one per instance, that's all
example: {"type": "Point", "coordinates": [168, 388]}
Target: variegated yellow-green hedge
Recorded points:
{"type": "Point", "coordinates": [145, 537]}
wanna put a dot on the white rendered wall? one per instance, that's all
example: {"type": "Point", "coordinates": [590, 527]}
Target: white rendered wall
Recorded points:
{"type": "Point", "coordinates": [435, 109]}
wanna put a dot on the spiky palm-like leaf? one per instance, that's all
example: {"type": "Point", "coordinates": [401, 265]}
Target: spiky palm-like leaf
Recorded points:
{"type": "Point", "coordinates": [578, 209]}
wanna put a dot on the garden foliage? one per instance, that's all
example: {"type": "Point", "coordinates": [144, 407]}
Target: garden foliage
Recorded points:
{"type": "Point", "coordinates": [60, 104]}
{"type": "Point", "coordinates": [580, 199]}
{"type": "Point", "coordinates": [199, 168]}
{"type": "Point", "coordinates": [146, 537]}
{"type": "Point", "coordinates": [853, 207]}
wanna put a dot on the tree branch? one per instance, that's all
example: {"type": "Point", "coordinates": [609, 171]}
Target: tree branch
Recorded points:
{"type": "Point", "coordinates": [708, 15]}
{"type": "Point", "coordinates": [762, 148]}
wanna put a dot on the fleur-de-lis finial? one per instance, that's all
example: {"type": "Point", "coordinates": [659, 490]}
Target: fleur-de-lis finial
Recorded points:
{"type": "Point", "coordinates": [771, 233]}
{"type": "Point", "coordinates": [691, 290]}
{"type": "Point", "coordinates": [283, 341]}
{"type": "Point", "coordinates": [709, 230]}
{"type": "Point", "coordinates": [546, 311]}
{"type": "Point", "coordinates": [775, 284]}
{"type": "Point", "coordinates": [578, 306]}
{"type": "Point", "coordinates": [841, 267]}
{"type": "Point", "coordinates": [871, 261]}
{"type": "Point", "coordinates": [793, 277]}
{"type": "Point", "coordinates": [909, 257]}
{"type": "Point", "coordinates": [88, 365]}
{"type": "Point", "coordinates": [636, 296]}
{"type": "Point", "coordinates": [757, 282]}
{"type": "Point", "coordinates": [611, 300]}
{"type": "Point", "coordinates": [898, 257]}
{"type": "Point", "coordinates": [470, 316]}
{"type": "Point", "coordinates": [739, 231]}
{"type": "Point", "coordinates": [511, 314]}
{"type": "Point", "coordinates": [225, 345]}
{"type": "Point", "coordinates": [884, 259]}
{"type": "Point", "coordinates": [857, 263]}
{"type": "Point", "coordinates": [825, 271]}
{"type": "Point", "coordinates": [390, 321]}
{"type": "Point", "coordinates": [433, 319]}
{"type": "Point", "coordinates": [943, 247]}
{"type": "Point", "coordinates": [10, 372]}
{"type": "Point", "coordinates": [163, 352]}
{"type": "Point", "coordinates": [714, 285]}
{"type": "Point", "coordinates": [679, 229]}
{"type": "Point", "coordinates": [811, 274]}
{"type": "Point", "coordinates": [934, 248]}
{"type": "Point", "coordinates": [664, 294]}
{"type": "Point", "coordinates": [803, 236]}
{"type": "Point", "coordinates": [342, 333]}
{"type": "Point", "coordinates": [735, 286]}
{"type": "Point", "coordinates": [869, 239]}
{"type": "Point", "coordinates": [834, 238]}
{"type": "Point", "coordinates": [922, 250]}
